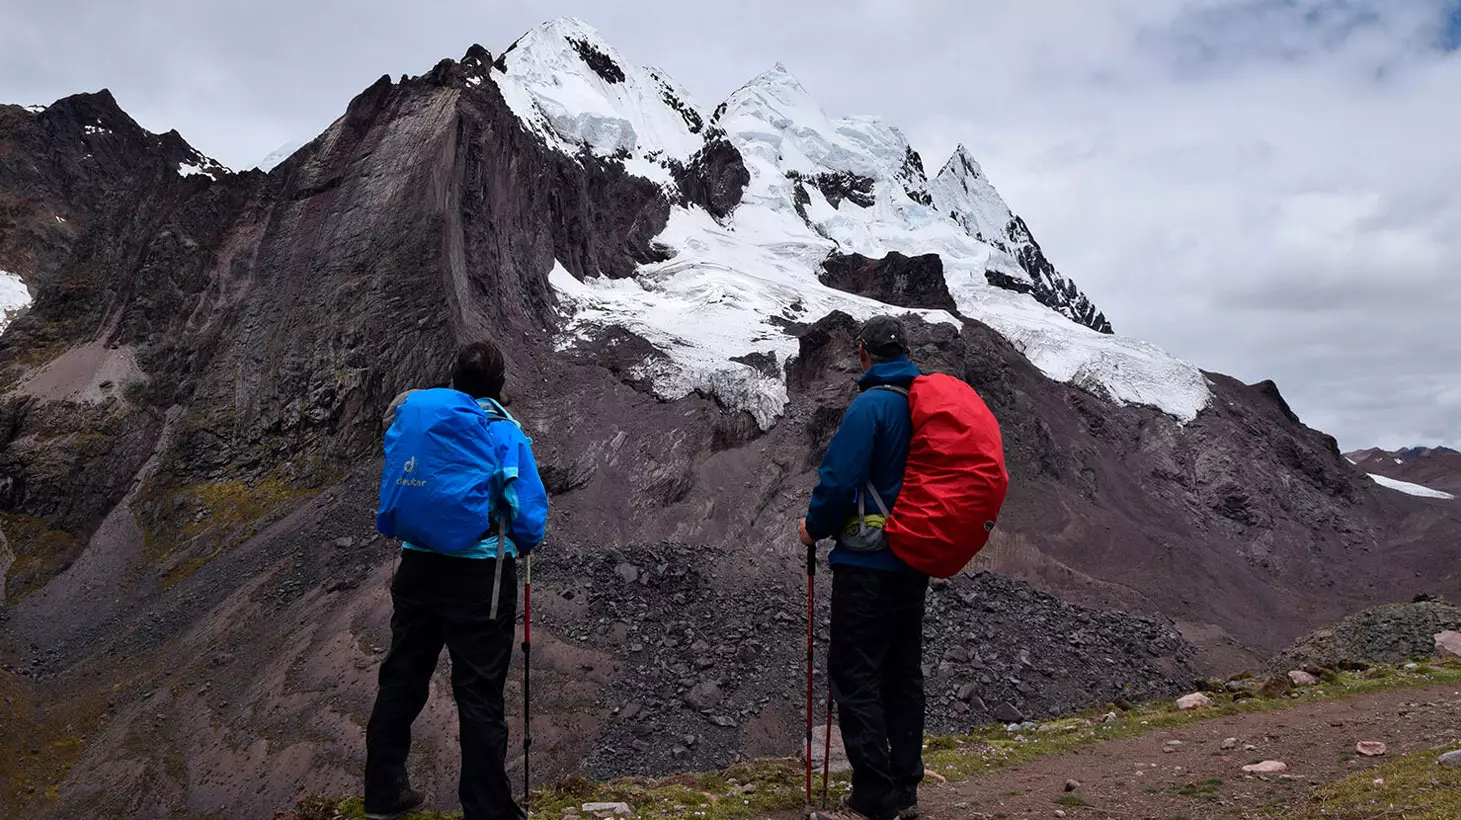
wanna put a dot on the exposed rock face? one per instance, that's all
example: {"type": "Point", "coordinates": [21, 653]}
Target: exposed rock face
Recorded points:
{"type": "Point", "coordinates": [715, 178]}
{"type": "Point", "coordinates": [191, 418]}
{"type": "Point", "coordinates": [839, 186]}
{"type": "Point", "coordinates": [964, 193]}
{"type": "Point", "coordinates": [1050, 288]}
{"type": "Point", "coordinates": [916, 282]}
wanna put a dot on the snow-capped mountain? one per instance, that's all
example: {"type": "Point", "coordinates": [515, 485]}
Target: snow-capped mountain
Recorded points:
{"type": "Point", "coordinates": [815, 186]}
{"type": "Point", "coordinates": [272, 159]}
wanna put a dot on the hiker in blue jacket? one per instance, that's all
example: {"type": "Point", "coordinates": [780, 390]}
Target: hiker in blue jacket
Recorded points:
{"type": "Point", "coordinates": [447, 600]}
{"type": "Point", "coordinates": [875, 661]}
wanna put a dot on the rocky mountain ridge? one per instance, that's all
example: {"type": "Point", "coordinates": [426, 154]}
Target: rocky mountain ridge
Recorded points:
{"type": "Point", "coordinates": [191, 417]}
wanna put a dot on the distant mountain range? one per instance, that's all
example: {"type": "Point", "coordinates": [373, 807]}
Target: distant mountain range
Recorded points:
{"type": "Point", "coordinates": [1438, 468]}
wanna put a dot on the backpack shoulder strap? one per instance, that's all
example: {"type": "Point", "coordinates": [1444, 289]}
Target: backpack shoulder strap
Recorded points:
{"type": "Point", "coordinates": [496, 412]}
{"type": "Point", "coordinates": [870, 490]}
{"type": "Point", "coordinates": [891, 388]}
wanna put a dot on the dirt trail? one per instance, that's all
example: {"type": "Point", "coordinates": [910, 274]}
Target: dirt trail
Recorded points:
{"type": "Point", "coordinates": [1139, 778]}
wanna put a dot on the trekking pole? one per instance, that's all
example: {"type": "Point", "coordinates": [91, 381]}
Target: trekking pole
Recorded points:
{"type": "Point", "coordinates": [827, 732]}
{"type": "Point", "coordinates": [811, 584]}
{"type": "Point", "coordinates": [527, 678]}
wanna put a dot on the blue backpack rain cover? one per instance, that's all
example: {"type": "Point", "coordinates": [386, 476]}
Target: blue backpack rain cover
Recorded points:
{"type": "Point", "coordinates": [436, 486]}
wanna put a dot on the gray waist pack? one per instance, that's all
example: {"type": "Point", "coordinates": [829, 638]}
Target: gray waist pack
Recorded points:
{"type": "Point", "coordinates": [866, 539]}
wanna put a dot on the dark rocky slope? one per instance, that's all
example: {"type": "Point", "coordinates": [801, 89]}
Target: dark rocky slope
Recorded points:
{"type": "Point", "coordinates": [191, 414]}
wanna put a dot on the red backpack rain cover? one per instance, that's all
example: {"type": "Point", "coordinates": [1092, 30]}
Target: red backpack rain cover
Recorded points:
{"type": "Point", "coordinates": [955, 481]}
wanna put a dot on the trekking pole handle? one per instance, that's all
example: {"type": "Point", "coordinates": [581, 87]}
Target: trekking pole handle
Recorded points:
{"type": "Point", "coordinates": [812, 559]}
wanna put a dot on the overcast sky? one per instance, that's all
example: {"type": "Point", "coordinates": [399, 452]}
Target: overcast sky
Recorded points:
{"type": "Point", "coordinates": [1267, 188]}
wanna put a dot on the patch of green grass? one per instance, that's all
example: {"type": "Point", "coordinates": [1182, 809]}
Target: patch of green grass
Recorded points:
{"type": "Point", "coordinates": [1071, 801]}
{"type": "Point", "coordinates": [225, 513]}
{"type": "Point", "coordinates": [1414, 788]}
{"type": "Point", "coordinates": [41, 553]}
{"type": "Point", "coordinates": [756, 788]}
{"type": "Point", "coordinates": [1203, 788]}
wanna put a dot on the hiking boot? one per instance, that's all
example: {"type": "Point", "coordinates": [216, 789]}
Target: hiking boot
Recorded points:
{"type": "Point", "coordinates": [908, 812]}
{"type": "Point", "coordinates": [408, 801]}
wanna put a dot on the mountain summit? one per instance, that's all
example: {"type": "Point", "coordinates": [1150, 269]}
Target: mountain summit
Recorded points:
{"type": "Point", "coordinates": [797, 188]}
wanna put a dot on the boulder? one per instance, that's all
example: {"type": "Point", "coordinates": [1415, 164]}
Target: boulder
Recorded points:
{"type": "Point", "coordinates": [1370, 748]}
{"type": "Point", "coordinates": [703, 696]}
{"type": "Point", "coordinates": [1007, 713]}
{"type": "Point", "coordinates": [1448, 644]}
{"type": "Point", "coordinates": [839, 752]}
{"type": "Point", "coordinates": [1450, 760]}
{"type": "Point", "coordinates": [1196, 700]}
{"type": "Point", "coordinates": [1301, 678]}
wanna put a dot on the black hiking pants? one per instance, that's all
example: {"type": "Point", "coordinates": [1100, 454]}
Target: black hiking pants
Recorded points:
{"type": "Point", "coordinates": [877, 681]}
{"type": "Point", "coordinates": [445, 601]}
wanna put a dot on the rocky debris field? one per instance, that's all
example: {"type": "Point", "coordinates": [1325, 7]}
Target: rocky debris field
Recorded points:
{"type": "Point", "coordinates": [710, 672]}
{"type": "Point", "coordinates": [1383, 634]}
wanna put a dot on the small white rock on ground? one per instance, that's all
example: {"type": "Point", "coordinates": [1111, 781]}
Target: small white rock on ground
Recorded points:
{"type": "Point", "coordinates": [1370, 748]}
{"type": "Point", "coordinates": [1267, 767]}
{"type": "Point", "coordinates": [608, 809]}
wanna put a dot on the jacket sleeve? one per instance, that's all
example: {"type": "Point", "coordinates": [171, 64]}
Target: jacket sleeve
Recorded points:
{"type": "Point", "coordinates": [526, 497]}
{"type": "Point", "coordinates": [844, 470]}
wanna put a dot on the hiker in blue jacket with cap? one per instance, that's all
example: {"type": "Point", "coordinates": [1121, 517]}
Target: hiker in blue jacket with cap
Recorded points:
{"type": "Point", "coordinates": [461, 489]}
{"type": "Point", "coordinates": [877, 599]}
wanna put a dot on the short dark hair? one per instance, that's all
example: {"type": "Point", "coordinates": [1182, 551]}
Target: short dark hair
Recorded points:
{"type": "Point", "coordinates": [480, 371]}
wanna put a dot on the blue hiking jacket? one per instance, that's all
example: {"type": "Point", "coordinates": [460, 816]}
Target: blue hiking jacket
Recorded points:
{"type": "Point", "coordinates": [871, 443]}
{"type": "Point", "coordinates": [516, 479]}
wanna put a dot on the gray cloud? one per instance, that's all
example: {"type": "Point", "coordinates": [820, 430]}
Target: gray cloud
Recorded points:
{"type": "Point", "coordinates": [1268, 188]}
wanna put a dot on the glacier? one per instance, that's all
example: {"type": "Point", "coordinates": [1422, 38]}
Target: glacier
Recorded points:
{"type": "Point", "coordinates": [817, 185]}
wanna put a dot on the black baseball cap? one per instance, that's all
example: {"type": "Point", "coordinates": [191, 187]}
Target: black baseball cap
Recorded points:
{"type": "Point", "coordinates": [883, 336]}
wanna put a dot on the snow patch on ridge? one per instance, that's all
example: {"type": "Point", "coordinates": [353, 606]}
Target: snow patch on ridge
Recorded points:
{"type": "Point", "coordinates": [1410, 489]}
{"type": "Point", "coordinates": [14, 298]}
{"type": "Point", "coordinates": [202, 166]}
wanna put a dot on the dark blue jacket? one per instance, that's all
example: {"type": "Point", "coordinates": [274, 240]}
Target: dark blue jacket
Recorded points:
{"type": "Point", "coordinates": [872, 442]}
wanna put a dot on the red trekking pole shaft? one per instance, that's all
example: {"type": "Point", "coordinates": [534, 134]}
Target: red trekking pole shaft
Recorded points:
{"type": "Point", "coordinates": [811, 588]}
